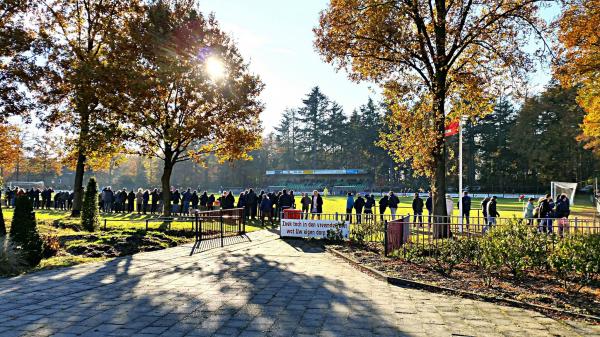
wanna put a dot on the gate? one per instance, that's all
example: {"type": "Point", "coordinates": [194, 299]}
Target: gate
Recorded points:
{"type": "Point", "coordinates": [219, 224]}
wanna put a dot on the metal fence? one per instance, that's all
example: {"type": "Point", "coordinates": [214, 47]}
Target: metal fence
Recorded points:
{"type": "Point", "coordinates": [203, 225]}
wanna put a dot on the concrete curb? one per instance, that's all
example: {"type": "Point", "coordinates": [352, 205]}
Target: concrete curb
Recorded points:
{"type": "Point", "coordinates": [400, 282]}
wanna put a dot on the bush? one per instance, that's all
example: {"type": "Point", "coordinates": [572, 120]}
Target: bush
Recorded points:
{"type": "Point", "coordinates": [2, 224]}
{"type": "Point", "coordinates": [89, 213]}
{"type": "Point", "coordinates": [455, 251]}
{"type": "Point", "coordinates": [576, 259]}
{"type": "Point", "coordinates": [24, 233]}
{"type": "Point", "coordinates": [336, 235]}
{"type": "Point", "coordinates": [518, 247]}
{"type": "Point", "coordinates": [11, 259]}
{"type": "Point", "coordinates": [51, 245]}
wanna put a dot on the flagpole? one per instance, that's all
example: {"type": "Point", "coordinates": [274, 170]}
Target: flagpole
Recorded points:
{"type": "Point", "coordinates": [460, 173]}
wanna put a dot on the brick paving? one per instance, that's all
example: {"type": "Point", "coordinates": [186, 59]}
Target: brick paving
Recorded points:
{"type": "Point", "coordinates": [259, 286]}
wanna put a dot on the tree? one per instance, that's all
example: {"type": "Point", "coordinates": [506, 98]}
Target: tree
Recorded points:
{"type": "Point", "coordinates": [286, 134]}
{"type": "Point", "coordinates": [544, 136]}
{"type": "Point", "coordinates": [10, 148]}
{"type": "Point", "coordinates": [436, 60]}
{"type": "Point", "coordinates": [578, 63]}
{"type": "Point", "coordinates": [192, 94]}
{"type": "Point", "coordinates": [312, 119]}
{"type": "Point", "coordinates": [89, 217]}
{"type": "Point", "coordinates": [24, 233]}
{"type": "Point", "coordinates": [84, 45]}
{"type": "Point", "coordinates": [16, 39]}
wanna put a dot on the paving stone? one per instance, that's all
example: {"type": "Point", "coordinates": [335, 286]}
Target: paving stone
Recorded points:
{"type": "Point", "coordinates": [262, 287]}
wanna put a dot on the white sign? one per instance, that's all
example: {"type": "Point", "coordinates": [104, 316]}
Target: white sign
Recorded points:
{"type": "Point", "coordinates": [305, 228]}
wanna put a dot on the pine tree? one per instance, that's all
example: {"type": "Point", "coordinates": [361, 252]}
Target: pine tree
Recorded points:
{"type": "Point", "coordinates": [312, 118]}
{"type": "Point", "coordinates": [24, 233]}
{"type": "Point", "coordinates": [2, 225]}
{"type": "Point", "coordinates": [89, 216]}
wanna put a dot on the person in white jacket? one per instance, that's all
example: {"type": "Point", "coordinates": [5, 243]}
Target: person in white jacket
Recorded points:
{"type": "Point", "coordinates": [449, 207]}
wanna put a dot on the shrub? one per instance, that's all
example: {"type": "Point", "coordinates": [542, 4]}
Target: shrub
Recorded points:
{"type": "Point", "coordinates": [2, 224]}
{"type": "Point", "coordinates": [11, 259]}
{"type": "Point", "coordinates": [335, 234]}
{"type": "Point", "coordinates": [518, 247]}
{"type": "Point", "coordinates": [455, 251]}
{"type": "Point", "coordinates": [24, 233]}
{"type": "Point", "coordinates": [51, 245]}
{"type": "Point", "coordinates": [367, 231]}
{"type": "Point", "coordinates": [89, 213]}
{"type": "Point", "coordinates": [576, 259]}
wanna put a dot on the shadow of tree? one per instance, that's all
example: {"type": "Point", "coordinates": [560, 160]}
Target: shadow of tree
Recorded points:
{"type": "Point", "coordinates": [172, 293]}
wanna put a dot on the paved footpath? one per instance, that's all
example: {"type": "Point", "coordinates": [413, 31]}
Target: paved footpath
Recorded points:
{"type": "Point", "coordinates": [265, 286]}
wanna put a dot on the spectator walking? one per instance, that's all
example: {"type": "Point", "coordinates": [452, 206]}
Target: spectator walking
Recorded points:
{"type": "Point", "coordinates": [383, 204]}
{"type": "Point", "coordinates": [484, 204]}
{"type": "Point", "coordinates": [492, 211]}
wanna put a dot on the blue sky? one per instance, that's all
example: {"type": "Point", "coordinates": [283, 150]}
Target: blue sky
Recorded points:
{"type": "Point", "coordinates": [276, 37]}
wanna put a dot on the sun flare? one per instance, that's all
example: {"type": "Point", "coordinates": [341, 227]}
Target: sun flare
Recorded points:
{"type": "Point", "coordinates": [215, 68]}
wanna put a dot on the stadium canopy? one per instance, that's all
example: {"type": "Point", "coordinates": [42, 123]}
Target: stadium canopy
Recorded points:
{"type": "Point", "coordinates": [316, 172]}
{"type": "Point", "coordinates": [558, 187]}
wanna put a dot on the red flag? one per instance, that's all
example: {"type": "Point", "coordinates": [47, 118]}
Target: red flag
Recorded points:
{"type": "Point", "coordinates": [451, 129]}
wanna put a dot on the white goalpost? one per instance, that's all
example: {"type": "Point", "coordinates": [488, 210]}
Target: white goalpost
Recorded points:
{"type": "Point", "coordinates": [558, 187]}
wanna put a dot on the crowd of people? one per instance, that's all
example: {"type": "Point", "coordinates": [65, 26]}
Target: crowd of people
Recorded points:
{"type": "Point", "coordinates": [41, 198]}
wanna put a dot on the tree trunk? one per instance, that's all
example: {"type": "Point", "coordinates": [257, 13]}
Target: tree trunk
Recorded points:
{"type": "Point", "coordinates": [81, 158]}
{"type": "Point", "coordinates": [438, 178]}
{"type": "Point", "coordinates": [166, 187]}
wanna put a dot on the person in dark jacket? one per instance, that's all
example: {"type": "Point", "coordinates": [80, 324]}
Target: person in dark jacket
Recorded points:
{"type": "Point", "coordinates": [417, 207]}
{"type": "Point", "coordinates": [466, 207]}
{"type": "Point", "coordinates": [492, 211]}
{"type": "Point", "coordinates": [359, 203]}
{"type": "Point", "coordinates": [230, 200]}
{"type": "Point", "coordinates": [393, 202]}
{"type": "Point", "coordinates": [544, 213]}
{"type": "Point", "coordinates": [429, 206]}
{"type": "Point", "coordinates": [266, 209]}
{"type": "Point", "coordinates": [195, 200]}
{"type": "Point", "coordinates": [285, 201]}
{"type": "Point", "coordinates": [130, 201]}
{"type": "Point", "coordinates": [305, 201]}
{"type": "Point", "coordinates": [186, 198]}
{"type": "Point", "coordinates": [369, 204]}
{"type": "Point", "coordinates": [210, 202]}
{"type": "Point", "coordinates": [145, 201]}
{"type": "Point", "coordinates": [175, 199]}
{"type": "Point", "coordinates": [252, 201]}
{"type": "Point", "coordinates": [383, 204]}
{"type": "Point", "coordinates": [204, 201]}
{"type": "Point", "coordinates": [484, 204]}
{"type": "Point", "coordinates": [316, 205]}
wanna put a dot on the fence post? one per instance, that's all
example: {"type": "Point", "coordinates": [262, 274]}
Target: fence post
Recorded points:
{"type": "Point", "coordinates": [221, 220]}
{"type": "Point", "coordinates": [239, 221]}
{"type": "Point", "coordinates": [385, 238]}
{"type": "Point", "coordinates": [105, 225]}
{"type": "Point", "coordinates": [200, 229]}
{"type": "Point", "coordinates": [146, 225]}
{"type": "Point", "coordinates": [576, 223]}
{"type": "Point", "coordinates": [196, 220]}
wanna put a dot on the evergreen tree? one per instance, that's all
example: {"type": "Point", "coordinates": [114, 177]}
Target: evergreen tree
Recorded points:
{"type": "Point", "coordinates": [285, 135]}
{"type": "Point", "coordinates": [312, 119]}
{"type": "Point", "coordinates": [24, 233]}
{"type": "Point", "coordinates": [89, 216]}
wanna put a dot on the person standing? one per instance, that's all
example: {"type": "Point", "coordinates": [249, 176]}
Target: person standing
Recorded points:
{"type": "Point", "coordinates": [449, 208]}
{"type": "Point", "coordinates": [230, 200]}
{"type": "Point", "coordinates": [369, 203]}
{"type": "Point", "coordinates": [484, 204]}
{"type": "Point", "coordinates": [252, 201]}
{"type": "Point", "coordinates": [204, 201]}
{"type": "Point", "coordinates": [393, 202]}
{"type": "Point", "coordinates": [359, 203]}
{"type": "Point", "coordinates": [266, 209]}
{"type": "Point", "coordinates": [429, 206]}
{"type": "Point", "coordinates": [316, 205]}
{"type": "Point", "coordinates": [383, 204]}
{"type": "Point", "coordinates": [466, 207]}
{"type": "Point", "coordinates": [528, 211]}
{"type": "Point", "coordinates": [130, 201]}
{"type": "Point", "coordinates": [417, 207]}
{"type": "Point", "coordinates": [175, 199]}
{"type": "Point", "coordinates": [492, 211]}
{"type": "Point", "coordinates": [195, 200]}
{"type": "Point", "coordinates": [210, 202]}
{"type": "Point", "coordinates": [139, 200]}
{"type": "Point", "coordinates": [145, 201]}
{"type": "Point", "coordinates": [349, 206]}
{"type": "Point", "coordinates": [155, 199]}
{"type": "Point", "coordinates": [305, 201]}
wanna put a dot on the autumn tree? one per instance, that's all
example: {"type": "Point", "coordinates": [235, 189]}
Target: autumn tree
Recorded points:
{"type": "Point", "coordinates": [17, 65]}
{"type": "Point", "coordinates": [436, 60]}
{"type": "Point", "coordinates": [193, 94]}
{"type": "Point", "coordinates": [578, 62]}
{"type": "Point", "coordinates": [84, 43]}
